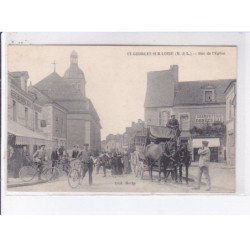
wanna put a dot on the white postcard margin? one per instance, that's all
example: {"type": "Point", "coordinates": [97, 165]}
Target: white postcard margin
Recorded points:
{"type": "Point", "coordinates": [82, 203]}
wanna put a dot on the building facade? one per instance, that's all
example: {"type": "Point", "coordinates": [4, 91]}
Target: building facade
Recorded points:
{"type": "Point", "coordinates": [230, 122]}
{"type": "Point", "coordinates": [25, 116]}
{"type": "Point", "coordinates": [54, 117]}
{"type": "Point", "coordinates": [200, 107]}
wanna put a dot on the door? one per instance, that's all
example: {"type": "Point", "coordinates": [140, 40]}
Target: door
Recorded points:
{"type": "Point", "coordinates": [214, 154]}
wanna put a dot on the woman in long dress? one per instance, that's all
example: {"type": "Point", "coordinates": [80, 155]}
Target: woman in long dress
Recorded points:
{"type": "Point", "coordinates": [126, 162]}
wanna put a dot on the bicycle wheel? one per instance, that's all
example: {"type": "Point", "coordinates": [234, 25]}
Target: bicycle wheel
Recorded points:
{"type": "Point", "coordinates": [74, 178]}
{"type": "Point", "coordinates": [51, 174]}
{"type": "Point", "coordinates": [27, 173]}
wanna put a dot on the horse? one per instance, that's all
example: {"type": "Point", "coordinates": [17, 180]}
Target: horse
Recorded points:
{"type": "Point", "coordinates": [183, 157]}
{"type": "Point", "coordinates": [173, 162]}
{"type": "Point", "coordinates": [153, 154]}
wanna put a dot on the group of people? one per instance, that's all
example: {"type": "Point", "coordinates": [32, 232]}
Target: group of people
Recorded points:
{"type": "Point", "coordinates": [119, 163]}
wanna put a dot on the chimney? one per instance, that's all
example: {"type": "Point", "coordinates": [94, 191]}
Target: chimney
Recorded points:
{"type": "Point", "coordinates": [175, 72]}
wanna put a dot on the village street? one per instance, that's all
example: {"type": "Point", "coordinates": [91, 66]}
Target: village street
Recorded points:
{"type": "Point", "coordinates": [222, 178]}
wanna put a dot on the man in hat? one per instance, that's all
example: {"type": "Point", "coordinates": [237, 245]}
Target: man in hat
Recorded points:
{"type": "Point", "coordinates": [85, 158]}
{"type": "Point", "coordinates": [204, 160]}
{"type": "Point", "coordinates": [174, 125]}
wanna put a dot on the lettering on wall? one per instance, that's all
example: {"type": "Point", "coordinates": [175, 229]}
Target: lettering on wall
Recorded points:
{"type": "Point", "coordinates": [24, 101]}
{"type": "Point", "coordinates": [208, 118]}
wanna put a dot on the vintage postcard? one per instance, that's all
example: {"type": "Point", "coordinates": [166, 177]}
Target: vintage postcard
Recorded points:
{"type": "Point", "coordinates": [121, 119]}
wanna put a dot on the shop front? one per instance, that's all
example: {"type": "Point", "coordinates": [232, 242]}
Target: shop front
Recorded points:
{"type": "Point", "coordinates": [23, 141]}
{"type": "Point", "coordinates": [213, 144]}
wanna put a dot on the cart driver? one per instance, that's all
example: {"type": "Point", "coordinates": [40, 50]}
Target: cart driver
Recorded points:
{"type": "Point", "coordinates": [174, 125]}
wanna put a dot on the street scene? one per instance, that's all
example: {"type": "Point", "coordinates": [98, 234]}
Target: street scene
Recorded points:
{"type": "Point", "coordinates": [121, 119]}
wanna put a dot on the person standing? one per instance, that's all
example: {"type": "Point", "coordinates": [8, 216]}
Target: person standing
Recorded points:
{"type": "Point", "coordinates": [40, 157]}
{"type": "Point", "coordinates": [126, 162]}
{"type": "Point", "coordinates": [75, 152]}
{"type": "Point", "coordinates": [54, 156]}
{"type": "Point", "coordinates": [16, 160]}
{"type": "Point", "coordinates": [26, 157]}
{"type": "Point", "coordinates": [87, 161]}
{"type": "Point", "coordinates": [204, 160]}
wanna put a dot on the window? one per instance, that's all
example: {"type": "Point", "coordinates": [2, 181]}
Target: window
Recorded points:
{"type": "Point", "coordinates": [57, 127]}
{"type": "Point", "coordinates": [36, 120]}
{"type": "Point", "coordinates": [164, 117]}
{"type": "Point", "coordinates": [14, 110]}
{"type": "Point", "coordinates": [209, 96]}
{"type": "Point", "coordinates": [26, 116]}
{"type": "Point", "coordinates": [184, 122]}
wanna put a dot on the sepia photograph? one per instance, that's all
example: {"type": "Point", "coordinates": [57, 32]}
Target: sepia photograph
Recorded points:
{"type": "Point", "coordinates": [110, 119]}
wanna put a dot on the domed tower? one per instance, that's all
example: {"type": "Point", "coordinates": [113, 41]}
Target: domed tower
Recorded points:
{"type": "Point", "coordinates": [74, 74]}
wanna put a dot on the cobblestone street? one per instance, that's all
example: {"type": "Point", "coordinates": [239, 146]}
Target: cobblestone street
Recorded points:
{"type": "Point", "coordinates": [222, 177]}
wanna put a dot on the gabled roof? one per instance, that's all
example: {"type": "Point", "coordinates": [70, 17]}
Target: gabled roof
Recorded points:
{"type": "Point", "coordinates": [160, 89]}
{"type": "Point", "coordinates": [57, 88]}
{"type": "Point", "coordinates": [192, 92]}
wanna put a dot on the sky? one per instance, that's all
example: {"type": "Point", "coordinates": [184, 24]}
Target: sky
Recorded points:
{"type": "Point", "coordinates": [117, 75]}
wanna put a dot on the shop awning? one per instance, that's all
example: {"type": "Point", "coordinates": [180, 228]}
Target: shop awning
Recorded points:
{"type": "Point", "coordinates": [212, 142]}
{"type": "Point", "coordinates": [25, 136]}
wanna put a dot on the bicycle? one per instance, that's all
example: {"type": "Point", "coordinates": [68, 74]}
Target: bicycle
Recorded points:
{"type": "Point", "coordinates": [76, 174]}
{"type": "Point", "coordinates": [59, 168]}
{"type": "Point", "coordinates": [27, 173]}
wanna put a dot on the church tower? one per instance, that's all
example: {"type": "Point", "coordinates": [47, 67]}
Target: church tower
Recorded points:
{"type": "Point", "coordinates": [74, 75]}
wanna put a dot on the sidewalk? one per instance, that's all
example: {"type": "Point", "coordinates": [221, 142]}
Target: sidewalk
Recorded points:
{"type": "Point", "coordinates": [17, 182]}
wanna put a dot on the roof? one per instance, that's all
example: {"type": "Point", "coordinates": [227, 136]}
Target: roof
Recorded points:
{"type": "Point", "coordinates": [15, 77]}
{"type": "Point", "coordinates": [231, 84]}
{"type": "Point", "coordinates": [191, 92]}
{"type": "Point", "coordinates": [57, 88]}
{"type": "Point", "coordinates": [42, 98]}
{"type": "Point", "coordinates": [160, 89]}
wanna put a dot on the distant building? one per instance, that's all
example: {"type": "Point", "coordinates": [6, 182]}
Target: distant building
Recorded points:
{"type": "Point", "coordinates": [230, 121]}
{"type": "Point", "coordinates": [83, 123]}
{"type": "Point", "coordinates": [134, 136]}
{"type": "Point", "coordinates": [196, 104]}
{"type": "Point", "coordinates": [113, 143]}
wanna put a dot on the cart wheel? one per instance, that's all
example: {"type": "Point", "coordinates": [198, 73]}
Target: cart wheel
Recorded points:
{"type": "Point", "coordinates": [27, 173]}
{"type": "Point", "coordinates": [74, 178]}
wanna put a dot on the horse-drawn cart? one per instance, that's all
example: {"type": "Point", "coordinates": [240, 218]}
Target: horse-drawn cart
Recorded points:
{"type": "Point", "coordinates": [163, 154]}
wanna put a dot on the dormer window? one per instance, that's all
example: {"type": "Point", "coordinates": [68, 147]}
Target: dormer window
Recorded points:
{"type": "Point", "coordinates": [208, 96]}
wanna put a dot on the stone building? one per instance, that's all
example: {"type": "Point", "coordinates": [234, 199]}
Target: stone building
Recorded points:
{"type": "Point", "coordinates": [196, 104]}
{"type": "Point", "coordinates": [25, 116]}
{"type": "Point", "coordinates": [230, 121]}
{"type": "Point", "coordinates": [68, 92]}
{"type": "Point", "coordinates": [54, 116]}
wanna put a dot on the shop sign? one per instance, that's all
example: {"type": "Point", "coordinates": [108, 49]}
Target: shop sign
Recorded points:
{"type": "Point", "coordinates": [208, 118]}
